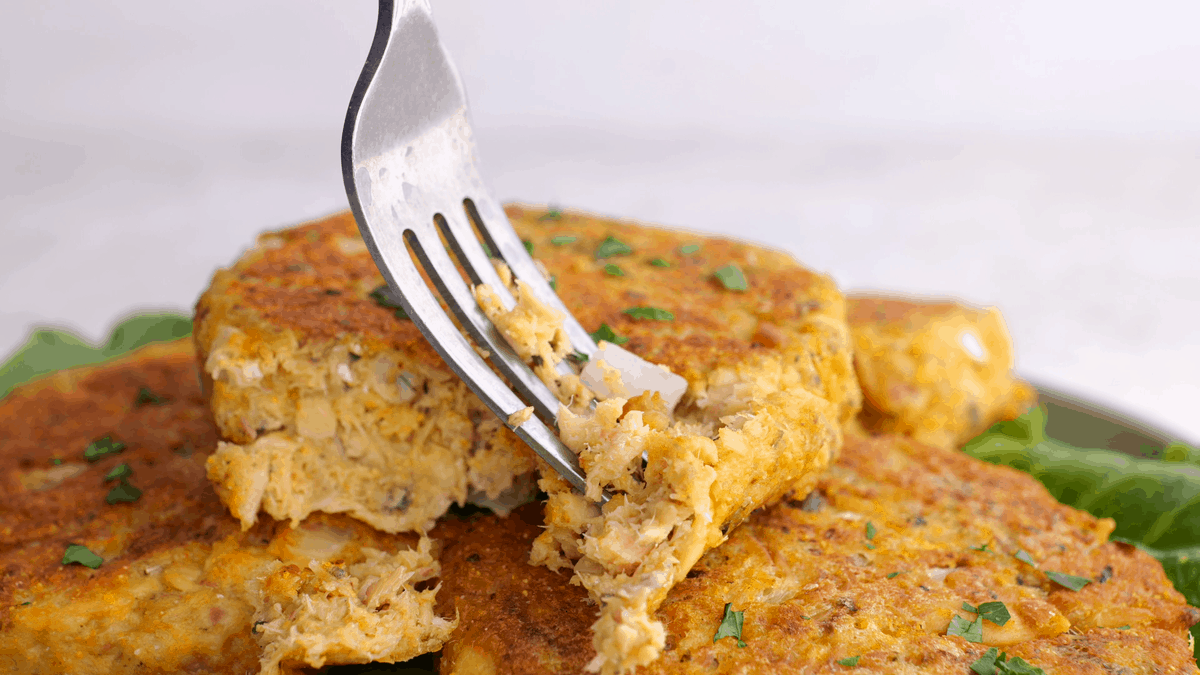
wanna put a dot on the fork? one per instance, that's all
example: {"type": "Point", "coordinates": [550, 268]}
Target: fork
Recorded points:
{"type": "Point", "coordinates": [411, 174]}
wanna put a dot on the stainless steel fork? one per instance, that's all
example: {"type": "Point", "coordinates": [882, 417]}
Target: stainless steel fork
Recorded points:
{"type": "Point", "coordinates": [409, 164]}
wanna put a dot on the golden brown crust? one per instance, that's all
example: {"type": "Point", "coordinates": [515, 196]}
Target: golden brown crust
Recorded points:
{"type": "Point", "coordinates": [814, 589]}
{"type": "Point", "coordinates": [938, 371]}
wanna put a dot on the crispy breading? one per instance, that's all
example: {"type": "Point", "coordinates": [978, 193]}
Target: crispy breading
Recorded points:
{"type": "Point", "coordinates": [182, 587]}
{"type": "Point", "coordinates": [815, 588]}
{"type": "Point", "coordinates": [752, 424]}
{"type": "Point", "coordinates": [938, 371]}
{"type": "Point", "coordinates": [330, 403]}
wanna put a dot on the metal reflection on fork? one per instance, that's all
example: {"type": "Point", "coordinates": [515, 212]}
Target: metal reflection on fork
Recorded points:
{"type": "Point", "coordinates": [409, 165]}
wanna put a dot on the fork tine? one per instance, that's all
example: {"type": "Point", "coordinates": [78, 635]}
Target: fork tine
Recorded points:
{"type": "Point", "coordinates": [436, 261]}
{"type": "Point", "coordinates": [499, 233]}
{"type": "Point", "coordinates": [423, 308]}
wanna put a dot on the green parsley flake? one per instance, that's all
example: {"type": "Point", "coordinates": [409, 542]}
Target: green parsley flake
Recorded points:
{"type": "Point", "coordinates": [528, 246]}
{"type": "Point", "coordinates": [554, 283]}
{"type": "Point", "coordinates": [893, 575]}
{"type": "Point", "coordinates": [254, 628]}
{"type": "Point", "coordinates": [731, 278]}
{"type": "Point", "coordinates": [27, 603]}
{"type": "Point", "coordinates": [849, 661]}
{"type": "Point", "coordinates": [578, 357]}
{"type": "Point", "coordinates": [731, 626]}
{"type": "Point", "coordinates": [553, 214]}
{"type": "Point", "coordinates": [1024, 557]}
{"type": "Point", "coordinates": [102, 447]}
{"type": "Point", "coordinates": [123, 493]}
{"type": "Point", "coordinates": [613, 270]}
{"type": "Point", "coordinates": [382, 295]}
{"type": "Point", "coordinates": [659, 262]}
{"type": "Point", "coordinates": [689, 249]}
{"type": "Point", "coordinates": [995, 612]}
{"type": "Point", "coordinates": [80, 555]}
{"type": "Point", "coordinates": [118, 472]}
{"type": "Point", "coordinates": [611, 247]}
{"type": "Point", "coordinates": [996, 662]}
{"type": "Point", "coordinates": [869, 545]}
{"type": "Point", "coordinates": [564, 239]}
{"type": "Point", "coordinates": [971, 631]}
{"type": "Point", "coordinates": [56, 461]}
{"type": "Point", "coordinates": [650, 313]}
{"type": "Point", "coordinates": [1067, 580]}
{"type": "Point", "coordinates": [606, 333]}
{"type": "Point", "coordinates": [981, 549]}
{"type": "Point", "coordinates": [147, 397]}
{"type": "Point", "coordinates": [1125, 627]}
{"type": "Point", "coordinates": [871, 530]}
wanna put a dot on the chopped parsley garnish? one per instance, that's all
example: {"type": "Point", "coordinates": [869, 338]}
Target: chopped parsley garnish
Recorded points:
{"type": "Point", "coordinates": [981, 549]}
{"type": "Point", "coordinates": [528, 246]}
{"type": "Point", "coordinates": [995, 612]}
{"type": "Point", "coordinates": [382, 295]}
{"type": "Point", "coordinates": [611, 247]}
{"type": "Point", "coordinates": [1125, 627]}
{"type": "Point", "coordinates": [871, 531]}
{"type": "Point", "coordinates": [613, 270]}
{"type": "Point", "coordinates": [996, 662]}
{"type": "Point", "coordinates": [659, 262]}
{"type": "Point", "coordinates": [553, 214]}
{"type": "Point", "coordinates": [604, 332]}
{"type": "Point", "coordinates": [563, 239]}
{"type": "Point", "coordinates": [554, 283]}
{"type": "Point", "coordinates": [147, 397]}
{"type": "Point", "coordinates": [123, 493]}
{"type": "Point", "coordinates": [118, 472]}
{"type": "Point", "coordinates": [56, 461]}
{"type": "Point", "coordinates": [80, 555]}
{"type": "Point", "coordinates": [689, 249]}
{"type": "Point", "coordinates": [578, 357]}
{"type": "Point", "coordinates": [102, 447]}
{"type": "Point", "coordinates": [27, 603]}
{"type": "Point", "coordinates": [254, 628]}
{"type": "Point", "coordinates": [1068, 580]}
{"type": "Point", "coordinates": [731, 278]}
{"type": "Point", "coordinates": [650, 313]}
{"type": "Point", "coordinates": [849, 661]}
{"type": "Point", "coordinates": [1024, 557]}
{"type": "Point", "coordinates": [731, 626]}
{"type": "Point", "coordinates": [971, 631]}
{"type": "Point", "coordinates": [893, 575]}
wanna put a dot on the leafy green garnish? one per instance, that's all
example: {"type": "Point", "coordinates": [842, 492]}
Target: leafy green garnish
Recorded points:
{"type": "Point", "coordinates": [528, 246]}
{"type": "Point", "coordinates": [653, 313]}
{"type": "Point", "coordinates": [101, 448]}
{"type": "Point", "coordinates": [1024, 557]}
{"type": "Point", "coordinates": [48, 350]}
{"type": "Point", "coordinates": [1125, 627]}
{"type": "Point", "coordinates": [731, 278]}
{"type": "Point", "coordinates": [80, 555]}
{"type": "Point", "coordinates": [996, 662]}
{"type": "Point", "coordinates": [552, 214]}
{"type": "Point", "coordinates": [123, 493]}
{"type": "Point", "coordinates": [147, 397]}
{"type": "Point", "coordinates": [564, 239]}
{"type": "Point", "coordinates": [870, 530]}
{"type": "Point", "coordinates": [554, 282]}
{"type": "Point", "coordinates": [731, 625]}
{"type": "Point", "coordinates": [659, 262]}
{"type": "Point", "coordinates": [1067, 580]}
{"type": "Point", "coordinates": [849, 661]}
{"type": "Point", "coordinates": [971, 631]}
{"type": "Point", "coordinates": [606, 333]}
{"type": "Point", "coordinates": [995, 612]}
{"type": "Point", "coordinates": [118, 472]}
{"type": "Point", "coordinates": [382, 295]}
{"type": "Point", "coordinates": [611, 247]}
{"type": "Point", "coordinates": [613, 270]}
{"type": "Point", "coordinates": [981, 549]}
{"type": "Point", "coordinates": [689, 249]}
{"type": "Point", "coordinates": [893, 575]}
{"type": "Point", "coordinates": [578, 357]}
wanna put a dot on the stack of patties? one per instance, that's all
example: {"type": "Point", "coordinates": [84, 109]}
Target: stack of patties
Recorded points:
{"type": "Point", "coordinates": [340, 439]}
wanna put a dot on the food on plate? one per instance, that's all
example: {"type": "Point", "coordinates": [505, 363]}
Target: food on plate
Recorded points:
{"type": "Point", "coordinates": [762, 346]}
{"type": "Point", "coordinates": [119, 558]}
{"type": "Point", "coordinates": [875, 568]}
{"type": "Point", "coordinates": [938, 371]}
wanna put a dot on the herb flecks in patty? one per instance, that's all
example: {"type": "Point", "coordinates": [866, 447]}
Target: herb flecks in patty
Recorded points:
{"type": "Point", "coordinates": [995, 612]}
{"type": "Point", "coordinates": [382, 295]}
{"type": "Point", "coordinates": [606, 333]}
{"type": "Point", "coordinates": [689, 249]}
{"type": "Point", "coordinates": [652, 313]}
{"type": "Point", "coordinates": [849, 661]}
{"type": "Point", "coordinates": [612, 246]}
{"type": "Point", "coordinates": [996, 662]}
{"type": "Point", "coordinates": [77, 554]}
{"type": "Point", "coordinates": [528, 246]}
{"type": "Point", "coordinates": [554, 213]}
{"type": "Point", "coordinates": [118, 472]}
{"type": "Point", "coordinates": [613, 270]}
{"type": "Point", "coordinates": [146, 397]}
{"type": "Point", "coordinates": [564, 239]}
{"type": "Point", "coordinates": [123, 493]}
{"type": "Point", "coordinates": [731, 278]}
{"type": "Point", "coordinates": [102, 447]}
{"type": "Point", "coordinates": [731, 625]}
{"type": "Point", "coordinates": [971, 631]}
{"type": "Point", "coordinates": [659, 262]}
{"type": "Point", "coordinates": [1067, 580]}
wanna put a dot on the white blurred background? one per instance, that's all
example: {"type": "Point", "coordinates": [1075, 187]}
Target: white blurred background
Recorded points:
{"type": "Point", "coordinates": [1043, 156]}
